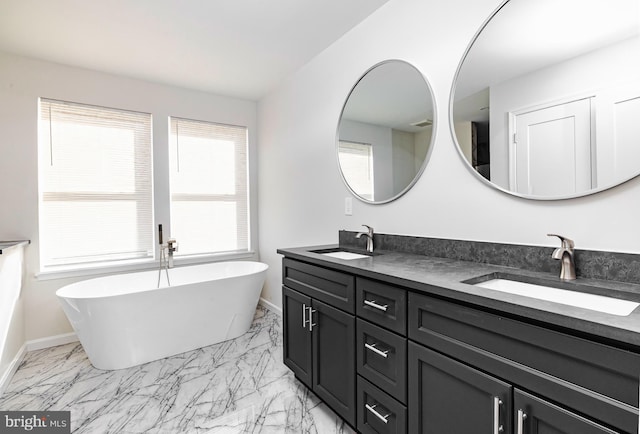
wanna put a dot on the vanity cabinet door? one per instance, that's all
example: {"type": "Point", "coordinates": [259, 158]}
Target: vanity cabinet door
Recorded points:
{"type": "Point", "coordinates": [536, 416]}
{"type": "Point", "coordinates": [446, 396]}
{"type": "Point", "coordinates": [296, 335]}
{"type": "Point", "coordinates": [334, 367]}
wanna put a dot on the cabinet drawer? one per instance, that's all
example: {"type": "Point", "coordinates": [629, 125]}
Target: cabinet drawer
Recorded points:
{"type": "Point", "coordinates": [381, 357]}
{"type": "Point", "coordinates": [593, 378]}
{"type": "Point", "coordinates": [333, 287]}
{"type": "Point", "coordinates": [378, 412]}
{"type": "Point", "coordinates": [382, 304]}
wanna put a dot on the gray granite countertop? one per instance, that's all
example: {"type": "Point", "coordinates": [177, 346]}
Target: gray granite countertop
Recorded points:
{"type": "Point", "coordinates": [444, 277]}
{"type": "Point", "coordinates": [6, 245]}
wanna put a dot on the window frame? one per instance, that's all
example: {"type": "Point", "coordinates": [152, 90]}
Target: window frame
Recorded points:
{"type": "Point", "coordinates": [243, 115]}
{"type": "Point", "coordinates": [242, 200]}
{"type": "Point", "coordinates": [143, 191]}
{"type": "Point", "coordinates": [360, 147]}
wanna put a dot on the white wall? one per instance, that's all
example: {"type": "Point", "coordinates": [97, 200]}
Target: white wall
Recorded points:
{"type": "Point", "coordinates": [302, 195]}
{"type": "Point", "coordinates": [22, 81]}
{"type": "Point", "coordinates": [403, 150]}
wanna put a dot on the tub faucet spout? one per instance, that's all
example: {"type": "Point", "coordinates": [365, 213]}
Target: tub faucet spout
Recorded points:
{"type": "Point", "coordinates": [565, 253]}
{"type": "Point", "coordinates": [172, 246]}
{"type": "Point", "coordinates": [369, 236]}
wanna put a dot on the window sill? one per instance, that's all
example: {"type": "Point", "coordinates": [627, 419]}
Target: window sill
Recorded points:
{"type": "Point", "coordinates": [95, 270]}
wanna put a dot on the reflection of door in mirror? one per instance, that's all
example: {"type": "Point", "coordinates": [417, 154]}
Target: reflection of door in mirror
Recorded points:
{"type": "Point", "coordinates": [618, 115]}
{"type": "Point", "coordinates": [551, 149]}
{"type": "Point", "coordinates": [541, 53]}
{"type": "Point", "coordinates": [356, 162]}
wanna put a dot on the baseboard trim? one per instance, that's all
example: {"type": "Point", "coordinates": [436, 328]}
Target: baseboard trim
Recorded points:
{"type": "Point", "coordinates": [272, 307]}
{"type": "Point", "coordinates": [33, 345]}
{"type": "Point", "coordinates": [51, 341]}
{"type": "Point", "coordinates": [6, 377]}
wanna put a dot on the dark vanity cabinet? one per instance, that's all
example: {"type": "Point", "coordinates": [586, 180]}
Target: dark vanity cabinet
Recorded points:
{"type": "Point", "coordinates": [319, 331]}
{"type": "Point", "coordinates": [391, 359]}
{"type": "Point", "coordinates": [520, 377]}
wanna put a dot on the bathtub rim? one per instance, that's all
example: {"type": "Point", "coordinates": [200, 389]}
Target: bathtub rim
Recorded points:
{"type": "Point", "coordinates": [68, 291]}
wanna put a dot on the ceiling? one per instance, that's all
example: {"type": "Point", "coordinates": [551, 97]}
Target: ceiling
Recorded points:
{"type": "Point", "coordinates": [542, 33]}
{"type": "Point", "coordinates": [239, 48]}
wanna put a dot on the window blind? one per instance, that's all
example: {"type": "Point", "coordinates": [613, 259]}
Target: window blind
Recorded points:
{"type": "Point", "coordinates": [209, 187]}
{"type": "Point", "coordinates": [95, 184]}
{"type": "Point", "coordinates": [356, 163]}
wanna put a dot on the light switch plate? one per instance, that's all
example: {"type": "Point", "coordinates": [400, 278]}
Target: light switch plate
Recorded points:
{"type": "Point", "coordinates": [348, 206]}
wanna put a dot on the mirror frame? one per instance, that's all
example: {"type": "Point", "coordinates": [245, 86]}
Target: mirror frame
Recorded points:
{"type": "Point", "coordinates": [459, 149]}
{"type": "Point", "coordinates": [431, 142]}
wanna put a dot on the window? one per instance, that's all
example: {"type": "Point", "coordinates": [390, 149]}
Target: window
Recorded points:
{"type": "Point", "coordinates": [95, 184]}
{"type": "Point", "coordinates": [356, 163]}
{"type": "Point", "coordinates": [209, 199]}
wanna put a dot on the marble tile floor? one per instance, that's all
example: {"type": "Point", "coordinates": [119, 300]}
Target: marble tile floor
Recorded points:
{"type": "Point", "coordinates": [237, 386]}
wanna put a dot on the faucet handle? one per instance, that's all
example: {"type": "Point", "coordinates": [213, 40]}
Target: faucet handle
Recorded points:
{"type": "Point", "coordinates": [172, 244]}
{"type": "Point", "coordinates": [566, 242]}
{"type": "Point", "coordinates": [369, 228]}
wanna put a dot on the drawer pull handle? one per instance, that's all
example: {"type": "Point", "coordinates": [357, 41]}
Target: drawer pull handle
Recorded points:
{"type": "Point", "coordinates": [521, 417]}
{"type": "Point", "coordinates": [497, 427]}
{"type": "Point", "coordinates": [375, 305]}
{"type": "Point", "coordinates": [372, 347]}
{"type": "Point", "coordinates": [372, 409]}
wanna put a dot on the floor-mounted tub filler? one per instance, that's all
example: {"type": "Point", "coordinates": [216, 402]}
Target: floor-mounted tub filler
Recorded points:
{"type": "Point", "coordinates": [124, 320]}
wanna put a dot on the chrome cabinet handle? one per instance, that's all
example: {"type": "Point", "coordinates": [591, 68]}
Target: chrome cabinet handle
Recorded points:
{"type": "Point", "coordinates": [311, 323]}
{"type": "Point", "coordinates": [375, 305]}
{"type": "Point", "coordinates": [372, 347]}
{"type": "Point", "coordinates": [304, 315]}
{"type": "Point", "coordinates": [521, 417]}
{"type": "Point", "coordinates": [372, 409]}
{"type": "Point", "coordinates": [497, 427]}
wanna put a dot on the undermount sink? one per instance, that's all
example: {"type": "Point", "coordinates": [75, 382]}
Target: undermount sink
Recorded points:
{"type": "Point", "coordinates": [345, 255]}
{"type": "Point", "coordinates": [341, 254]}
{"type": "Point", "coordinates": [599, 303]}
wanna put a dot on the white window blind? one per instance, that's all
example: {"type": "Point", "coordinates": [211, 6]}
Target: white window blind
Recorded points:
{"type": "Point", "coordinates": [96, 184]}
{"type": "Point", "coordinates": [356, 163]}
{"type": "Point", "coordinates": [209, 193]}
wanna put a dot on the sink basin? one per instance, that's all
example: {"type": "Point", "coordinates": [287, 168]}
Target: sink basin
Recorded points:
{"type": "Point", "coordinates": [599, 303]}
{"type": "Point", "coordinates": [340, 253]}
{"type": "Point", "coordinates": [345, 255]}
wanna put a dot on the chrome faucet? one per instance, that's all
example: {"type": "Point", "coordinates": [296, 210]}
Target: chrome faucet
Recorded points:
{"type": "Point", "coordinates": [172, 246]}
{"type": "Point", "coordinates": [369, 235]}
{"type": "Point", "coordinates": [565, 254]}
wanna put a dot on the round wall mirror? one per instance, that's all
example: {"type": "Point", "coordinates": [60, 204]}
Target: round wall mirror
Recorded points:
{"type": "Point", "coordinates": [385, 132]}
{"type": "Point", "coordinates": [546, 100]}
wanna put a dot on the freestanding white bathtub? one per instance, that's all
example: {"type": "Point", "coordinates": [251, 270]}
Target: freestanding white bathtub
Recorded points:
{"type": "Point", "coordinates": [125, 320]}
